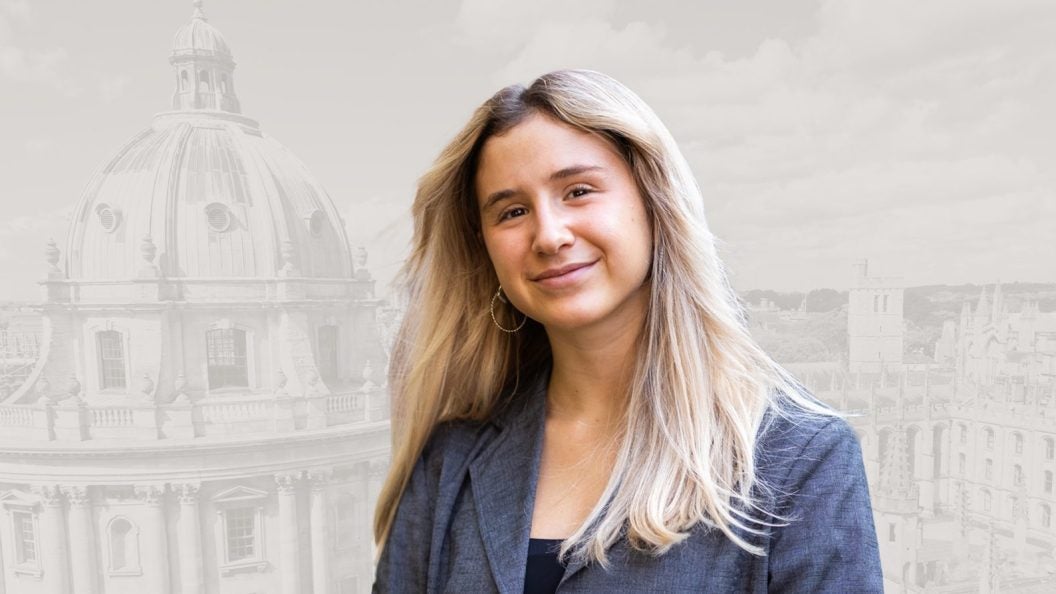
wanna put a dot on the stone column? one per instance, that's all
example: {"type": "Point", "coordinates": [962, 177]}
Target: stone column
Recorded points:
{"type": "Point", "coordinates": [53, 528]}
{"type": "Point", "coordinates": [320, 532]}
{"type": "Point", "coordinates": [155, 540]}
{"type": "Point", "coordinates": [190, 533]}
{"type": "Point", "coordinates": [82, 540]}
{"type": "Point", "coordinates": [289, 545]}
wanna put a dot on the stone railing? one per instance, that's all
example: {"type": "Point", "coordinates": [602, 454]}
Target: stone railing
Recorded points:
{"type": "Point", "coordinates": [74, 419]}
{"type": "Point", "coordinates": [15, 416]}
{"type": "Point", "coordinates": [111, 416]}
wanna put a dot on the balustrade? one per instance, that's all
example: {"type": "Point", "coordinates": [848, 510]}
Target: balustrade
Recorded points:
{"type": "Point", "coordinates": [212, 417]}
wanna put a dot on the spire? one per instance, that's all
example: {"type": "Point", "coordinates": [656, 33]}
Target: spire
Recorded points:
{"type": "Point", "coordinates": [999, 303]}
{"type": "Point", "coordinates": [198, 14]}
{"type": "Point", "coordinates": [983, 305]}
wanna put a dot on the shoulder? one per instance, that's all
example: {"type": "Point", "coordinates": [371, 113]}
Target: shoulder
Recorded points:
{"type": "Point", "coordinates": [451, 442]}
{"type": "Point", "coordinates": [825, 539]}
{"type": "Point", "coordinates": [795, 445]}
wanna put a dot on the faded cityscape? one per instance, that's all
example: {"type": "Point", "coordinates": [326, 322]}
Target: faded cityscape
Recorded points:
{"type": "Point", "coordinates": [197, 403]}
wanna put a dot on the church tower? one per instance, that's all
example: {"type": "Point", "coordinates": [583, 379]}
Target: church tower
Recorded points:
{"type": "Point", "coordinates": [874, 322]}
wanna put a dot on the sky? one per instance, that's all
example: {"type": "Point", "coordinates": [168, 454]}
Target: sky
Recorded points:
{"type": "Point", "coordinates": [915, 133]}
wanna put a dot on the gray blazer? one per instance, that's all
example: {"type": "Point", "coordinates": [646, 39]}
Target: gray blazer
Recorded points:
{"type": "Point", "coordinates": [463, 522]}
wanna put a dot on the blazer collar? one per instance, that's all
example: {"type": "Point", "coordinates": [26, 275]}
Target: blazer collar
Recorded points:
{"type": "Point", "coordinates": [503, 479]}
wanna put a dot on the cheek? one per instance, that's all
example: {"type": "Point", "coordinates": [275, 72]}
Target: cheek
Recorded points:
{"type": "Point", "coordinates": [500, 253]}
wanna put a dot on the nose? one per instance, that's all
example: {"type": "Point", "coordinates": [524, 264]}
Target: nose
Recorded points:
{"type": "Point", "coordinates": [552, 231]}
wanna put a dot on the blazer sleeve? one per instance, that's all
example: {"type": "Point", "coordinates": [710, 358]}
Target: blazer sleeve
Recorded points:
{"type": "Point", "coordinates": [830, 542]}
{"type": "Point", "coordinates": [404, 562]}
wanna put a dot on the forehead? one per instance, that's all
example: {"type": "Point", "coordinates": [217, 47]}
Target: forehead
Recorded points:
{"type": "Point", "coordinates": [536, 148]}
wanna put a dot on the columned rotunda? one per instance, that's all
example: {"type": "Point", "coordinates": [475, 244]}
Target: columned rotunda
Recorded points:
{"type": "Point", "coordinates": [205, 411]}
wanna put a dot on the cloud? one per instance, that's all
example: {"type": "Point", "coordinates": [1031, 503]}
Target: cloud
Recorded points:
{"type": "Point", "coordinates": [42, 67]}
{"type": "Point", "coordinates": [39, 145]}
{"type": "Point", "coordinates": [18, 10]}
{"type": "Point", "coordinates": [36, 66]}
{"type": "Point", "coordinates": [113, 88]}
{"type": "Point", "coordinates": [504, 25]}
{"type": "Point", "coordinates": [885, 120]}
{"type": "Point", "coordinates": [29, 234]}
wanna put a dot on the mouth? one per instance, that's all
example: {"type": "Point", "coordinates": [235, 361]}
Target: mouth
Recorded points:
{"type": "Point", "coordinates": [563, 274]}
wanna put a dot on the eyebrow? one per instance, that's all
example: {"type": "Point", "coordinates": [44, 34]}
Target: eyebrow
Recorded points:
{"type": "Point", "coordinates": [573, 170]}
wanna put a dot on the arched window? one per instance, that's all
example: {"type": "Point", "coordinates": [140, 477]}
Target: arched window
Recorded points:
{"type": "Point", "coordinates": [989, 438]}
{"type": "Point", "coordinates": [1048, 482]}
{"type": "Point", "coordinates": [1050, 448]}
{"type": "Point", "coordinates": [964, 434]}
{"type": "Point", "coordinates": [184, 80]}
{"type": "Point", "coordinates": [1017, 442]}
{"type": "Point", "coordinates": [884, 308]}
{"type": "Point", "coordinates": [226, 357]}
{"type": "Point", "coordinates": [223, 83]}
{"type": "Point", "coordinates": [961, 460]}
{"type": "Point", "coordinates": [989, 469]}
{"type": "Point", "coordinates": [986, 500]}
{"type": "Point", "coordinates": [111, 360]}
{"type": "Point", "coordinates": [1017, 475]}
{"type": "Point", "coordinates": [203, 81]}
{"type": "Point", "coordinates": [123, 546]}
{"type": "Point", "coordinates": [876, 303]}
{"type": "Point", "coordinates": [1046, 515]}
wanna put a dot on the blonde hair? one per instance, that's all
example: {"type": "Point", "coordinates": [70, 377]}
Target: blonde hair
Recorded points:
{"type": "Point", "coordinates": [701, 384]}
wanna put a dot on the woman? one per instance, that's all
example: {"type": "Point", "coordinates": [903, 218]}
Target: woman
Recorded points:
{"type": "Point", "coordinates": [580, 404]}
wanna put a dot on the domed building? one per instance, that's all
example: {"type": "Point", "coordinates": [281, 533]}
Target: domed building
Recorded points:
{"type": "Point", "coordinates": [204, 413]}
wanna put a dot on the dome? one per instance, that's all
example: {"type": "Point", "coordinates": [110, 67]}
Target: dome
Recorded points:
{"type": "Point", "coordinates": [203, 193]}
{"type": "Point", "coordinates": [199, 37]}
{"type": "Point", "coordinates": [216, 198]}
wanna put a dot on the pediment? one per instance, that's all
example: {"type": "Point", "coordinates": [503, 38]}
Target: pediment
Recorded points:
{"type": "Point", "coordinates": [239, 494]}
{"type": "Point", "coordinates": [19, 499]}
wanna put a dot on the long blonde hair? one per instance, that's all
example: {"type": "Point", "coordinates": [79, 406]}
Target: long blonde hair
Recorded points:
{"type": "Point", "coordinates": [701, 384]}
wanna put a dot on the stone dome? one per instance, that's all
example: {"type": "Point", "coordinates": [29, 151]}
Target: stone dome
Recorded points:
{"type": "Point", "coordinates": [216, 197]}
{"type": "Point", "coordinates": [199, 37]}
{"type": "Point", "coordinates": [203, 193]}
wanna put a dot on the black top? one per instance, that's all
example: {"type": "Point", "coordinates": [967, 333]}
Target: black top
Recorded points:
{"type": "Point", "coordinates": [543, 571]}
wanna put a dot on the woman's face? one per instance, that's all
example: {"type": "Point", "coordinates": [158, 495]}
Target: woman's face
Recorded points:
{"type": "Point", "coordinates": [564, 225]}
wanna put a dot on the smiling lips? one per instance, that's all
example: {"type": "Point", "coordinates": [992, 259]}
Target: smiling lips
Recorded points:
{"type": "Point", "coordinates": [563, 275]}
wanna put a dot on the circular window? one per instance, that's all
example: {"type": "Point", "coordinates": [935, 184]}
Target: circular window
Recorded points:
{"type": "Point", "coordinates": [219, 217]}
{"type": "Point", "coordinates": [316, 222]}
{"type": "Point", "coordinates": [109, 217]}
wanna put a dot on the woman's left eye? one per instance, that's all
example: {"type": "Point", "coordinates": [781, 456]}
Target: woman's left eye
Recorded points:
{"type": "Point", "coordinates": [579, 191]}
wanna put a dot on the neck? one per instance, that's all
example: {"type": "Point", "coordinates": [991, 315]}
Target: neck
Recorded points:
{"type": "Point", "coordinates": [591, 374]}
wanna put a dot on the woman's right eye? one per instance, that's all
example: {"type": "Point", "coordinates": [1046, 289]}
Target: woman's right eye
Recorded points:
{"type": "Point", "coordinates": [512, 212]}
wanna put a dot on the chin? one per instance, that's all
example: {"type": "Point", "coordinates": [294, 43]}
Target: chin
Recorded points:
{"type": "Point", "coordinates": [569, 319]}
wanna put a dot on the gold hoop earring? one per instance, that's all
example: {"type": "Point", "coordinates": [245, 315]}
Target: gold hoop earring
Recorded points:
{"type": "Point", "coordinates": [498, 295]}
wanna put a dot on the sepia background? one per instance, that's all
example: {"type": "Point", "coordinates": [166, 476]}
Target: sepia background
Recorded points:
{"type": "Point", "coordinates": [202, 208]}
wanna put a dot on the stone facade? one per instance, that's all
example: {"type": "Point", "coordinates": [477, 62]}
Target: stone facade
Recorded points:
{"type": "Point", "coordinates": [204, 410]}
{"type": "Point", "coordinates": [960, 450]}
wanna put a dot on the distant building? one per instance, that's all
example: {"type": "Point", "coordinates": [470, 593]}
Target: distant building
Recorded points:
{"type": "Point", "coordinates": [960, 451]}
{"type": "Point", "coordinates": [202, 411]}
{"type": "Point", "coordinates": [874, 322]}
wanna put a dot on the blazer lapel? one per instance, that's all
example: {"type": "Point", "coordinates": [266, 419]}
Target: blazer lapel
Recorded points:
{"type": "Point", "coordinates": [503, 480]}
